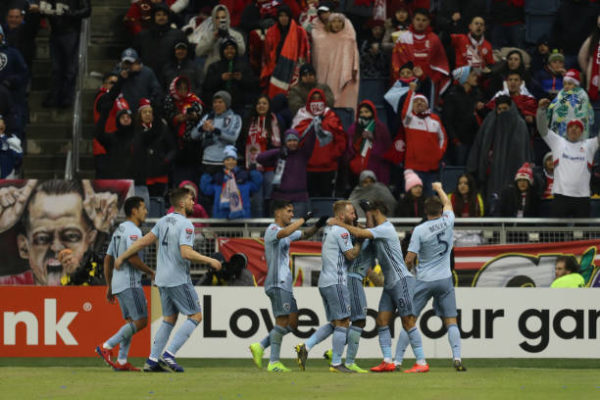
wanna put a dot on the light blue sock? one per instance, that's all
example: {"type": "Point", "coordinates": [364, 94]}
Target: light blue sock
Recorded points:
{"type": "Point", "coordinates": [338, 343]}
{"type": "Point", "coordinates": [353, 338]}
{"type": "Point", "coordinates": [125, 332]}
{"type": "Point", "coordinates": [276, 334]}
{"type": "Point", "coordinates": [454, 339]}
{"type": "Point", "coordinates": [414, 336]}
{"type": "Point", "coordinates": [320, 334]}
{"type": "Point", "coordinates": [266, 342]}
{"type": "Point", "coordinates": [401, 346]}
{"type": "Point", "coordinates": [160, 340]}
{"type": "Point", "coordinates": [182, 335]}
{"type": "Point", "coordinates": [124, 350]}
{"type": "Point", "coordinates": [385, 342]}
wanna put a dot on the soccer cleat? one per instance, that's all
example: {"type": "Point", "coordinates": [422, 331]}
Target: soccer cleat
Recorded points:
{"type": "Point", "coordinates": [125, 367]}
{"type": "Point", "coordinates": [341, 368]}
{"type": "Point", "coordinates": [277, 367]}
{"type": "Point", "coordinates": [328, 355]}
{"type": "Point", "coordinates": [356, 368]}
{"type": "Point", "coordinates": [257, 354]}
{"type": "Point", "coordinates": [398, 367]}
{"type": "Point", "coordinates": [384, 367]}
{"type": "Point", "coordinates": [417, 368]}
{"type": "Point", "coordinates": [106, 355]}
{"type": "Point", "coordinates": [153, 366]}
{"type": "Point", "coordinates": [458, 365]}
{"type": "Point", "coordinates": [167, 360]}
{"type": "Point", "coordinates": [301, 356]}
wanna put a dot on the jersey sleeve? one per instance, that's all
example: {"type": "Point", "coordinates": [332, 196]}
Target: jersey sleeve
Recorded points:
{"type": "Point", "coordinates": [297, 235]}
{"type": "Point", "coordinates": [344, 241]}
{"type": "Point", "coordinates": [156, 229]}
{"type": "Point", "coordinates": [415, 241]}
{"type": "Point", "coordinates": [592, 145]}
{"type": "Point", "coordinates": [132, 236]}
{"type": "Point", "coordinates": [111, 251]}
{"type": "Point", "coordinates": [449, 215]}
{"type": "Point", "coordinates": [379, 231]}
{"type": "Point", "coordinates": [552, 140]}
{"type": "Point", "coordinates": [186, 235]}
{"type": "Point", "coordinates": [271, 234]}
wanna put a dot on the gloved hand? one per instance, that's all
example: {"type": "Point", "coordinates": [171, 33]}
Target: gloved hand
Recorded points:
{"type": "Point", "coordinates": [366, 205]}
{"type": "Point", "coordinates": [322, 222]}
{"type": "Point", "coordinates": [308, 215]}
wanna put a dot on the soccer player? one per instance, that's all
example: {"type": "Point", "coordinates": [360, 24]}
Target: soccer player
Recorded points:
{"type": "Point", "coordinates": [278, 284]}
{"type": "Point", "coordinates": [398, 289]}
{"type": "Point", "coordinates": [337, 252]}
{"type": "Point", "coordinates": [126, 284]}
{"type": "Point", "coordinates": [175, 236]}
{"type": "Point", "coordinates": [431, 243]}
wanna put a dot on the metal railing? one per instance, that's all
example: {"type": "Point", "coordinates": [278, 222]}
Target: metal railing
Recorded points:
{"type": "Point", "coordinates": [480, 231]}
{"type": "Point", "coordinates": [84, 35]}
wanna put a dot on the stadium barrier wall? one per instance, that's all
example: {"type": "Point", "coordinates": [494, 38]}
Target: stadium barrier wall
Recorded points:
{"type": "Point", "coordinates": [61, 322]}
{"type": "Point", "coordinates": [495, 322]}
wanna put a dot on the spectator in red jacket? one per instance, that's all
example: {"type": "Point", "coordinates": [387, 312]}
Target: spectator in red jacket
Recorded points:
{"type": "Point", "coordinates": [523, 99]}
{"type": "Point", "coordinates": [332, 142]}
{"type": "Point", "coordinates": [426, 139]}
{"type": "Point", "coordinates": [472, 49]}
{"type": "Point", "coordinates": [139, 16]}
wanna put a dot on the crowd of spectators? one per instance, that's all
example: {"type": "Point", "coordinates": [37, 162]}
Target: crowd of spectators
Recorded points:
{"type": "Point", "coordinates": [249, 100]}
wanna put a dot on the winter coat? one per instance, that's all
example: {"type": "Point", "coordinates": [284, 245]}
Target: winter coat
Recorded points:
{"type": "Point", "coordinates": [11, 154]}
{"type": "Point", "coordinates": [227, 129]}
{"type": "Point", "coordinates": [459, 114]}
{"type": "Point", "coordinates": [410, 207]}
{"type": "Point", "coordinates": [510, 202]}
{"type": "Point", "coordinates": [208, 46]}
{"type": "Point", "coordinates": [248, 182]}
{"type": "Point", "coordinates": [376, 191]}
{"type": "Point", "coordinates": [154, 151]}
{"type": "Point", "coordinates": [299, 94]}
{"type": "Point", "coordinates": [239, 90]}
{"type": "Point", "coordinates": [186, 67]}
{"type": "Point", "coordinates": [143, 84]}
{"type": "Point", "coordinates": [13, 70]}
{"type": "Point", "coordinates": [23, 36]}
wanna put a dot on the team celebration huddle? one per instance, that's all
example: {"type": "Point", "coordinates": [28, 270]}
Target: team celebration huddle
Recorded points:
{"type": "Point", "coordinates": [348, 252]}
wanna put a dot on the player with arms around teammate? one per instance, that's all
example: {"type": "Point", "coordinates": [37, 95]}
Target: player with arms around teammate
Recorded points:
{"type": "Point", "coordinates": [126, 284]}
{"type": "Point", "coordinates": [336, 255]}
{"type": "Point", "coordinates": [278, 283]}
{"type": "Point", "coordinates": [175, 236]}
{"type": "Point", "coordinates": [431, 244]}
{"type": "Point", "coordinates": [398, 288]}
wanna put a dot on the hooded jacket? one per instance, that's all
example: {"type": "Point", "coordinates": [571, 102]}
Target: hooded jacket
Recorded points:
{"type": "Point", "coordinates": [154, 150]}
{"type": "Point", "coordinates": [324, 157]}
{"type": "Point", "coordinates": [186, 67]}
{"type": "Point", "coordinates": [459, 114]}
{"type": "Point", "coordinates": [155, 45]}
{"type": "Point", "coordinates": [380, 144]}
{"type": "Point", "coordinates": [210, 47]}
{"type": "Point", "coordinates": [13, 70]}
{"type": "Point", "coordinates": [119, 144]}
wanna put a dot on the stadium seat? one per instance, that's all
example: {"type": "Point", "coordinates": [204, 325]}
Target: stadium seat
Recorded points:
{"type": "Point", "coordinates": [157, 207]}
{"type": "Point", "coordinates": [450, 177]}
{"type": "Point", "coordinates": [372, 89]}
{"type": "Point", "coordinates": [322, 205]}
{"type": "Point", "coordinates": [346, 116]}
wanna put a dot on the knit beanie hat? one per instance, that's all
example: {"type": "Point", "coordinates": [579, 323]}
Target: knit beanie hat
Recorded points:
{"type": "Point", "coordinates": [367, 173]}
{"type": "Point", "coordinates": [230, 152]}
{"type": "Point", "coordinates": [223, 95]}
{"type": "Point", "coordinates": [556, 55]}
{"type": "Point", "coordinates": [411, 179]}
{"type": "Point", "coordinates": [143, 104]}
{"type": "Point", "coordinates": [525, 172]}
{"type": "Point", "coordinates": [291, 134]}
{"type": "Point", "coordinates": [572, 75]}
{"type": "Point", "coordinates": [461, 74]}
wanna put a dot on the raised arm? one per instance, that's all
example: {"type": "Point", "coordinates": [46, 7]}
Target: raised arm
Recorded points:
{"type": "Point", "coordinates": [437, 187]}
{"type": "Point", "coordinates": [138, 245]}
{"type": "Point", "coordinates": [541, 119]}
{"type": "Point", "coordinates": [190, 254]}
{"type": "Point", "coordinates": [355, 231]}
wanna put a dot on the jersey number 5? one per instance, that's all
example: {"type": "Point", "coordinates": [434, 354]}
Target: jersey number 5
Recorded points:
{"type": "Point", "coordinates": [443, 243]}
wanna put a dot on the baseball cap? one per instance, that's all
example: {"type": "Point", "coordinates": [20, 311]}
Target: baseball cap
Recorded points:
{"type": "Point", "coordinates": [129, 55]}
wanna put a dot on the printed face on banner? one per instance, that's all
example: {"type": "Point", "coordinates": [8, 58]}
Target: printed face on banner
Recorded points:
{"type": "Point", "coordinates": [44, 218]}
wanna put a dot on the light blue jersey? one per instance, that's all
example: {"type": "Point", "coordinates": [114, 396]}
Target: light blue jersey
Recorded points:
{"type": "Point", "coordinates": [127, 276]}
{"type": "Point", "coordinates": [432, 242]}
{"type": "Point", "coordinates": [389, 253]}
{"type": "Point", "coordinates": [173, 230]}
{"type": "Point", "coordinates": [364, 261]}
{"type": "Point", "coordinates": [336, 241]}
{"type": "Point", "coordinates": [277, 253]}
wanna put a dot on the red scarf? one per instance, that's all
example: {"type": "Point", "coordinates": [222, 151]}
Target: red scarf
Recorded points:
{"type": "Point", "coordinates": [595, 78]}
{"type": "Point", "coordinates": [258, 140]}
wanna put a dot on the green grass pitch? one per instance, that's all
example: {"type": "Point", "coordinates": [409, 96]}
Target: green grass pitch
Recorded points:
{"type": "Point", "coordinates": [506, 379]}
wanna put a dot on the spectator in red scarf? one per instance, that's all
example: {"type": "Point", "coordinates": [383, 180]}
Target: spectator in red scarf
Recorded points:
{"type": "Point", "coordinates": [472, 49]}
{"type": "Point", "coordinates": [369, 139]}
{"type": "Point", "coordinates": [330, 145]}
{"type": "Point", "coordinates": [183, 110]}
{"type": "Point", "coordinates": [260, 132]}
{"type": "Point", "coordinates": [466, 202]}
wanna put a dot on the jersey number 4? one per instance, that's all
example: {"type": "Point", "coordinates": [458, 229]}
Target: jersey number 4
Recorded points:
{"type": "Point", "coordinates": [164, 242]}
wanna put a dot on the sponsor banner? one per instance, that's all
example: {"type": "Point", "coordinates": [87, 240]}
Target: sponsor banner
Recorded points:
{"type": "Point", "coordinates": [61, 322]}
{"type": "Point", "coordinates": [511, 322]}
{"type": "Point", "coordinates": [513, 265]}
{"type": "Point", "coordinates": [42, 217]}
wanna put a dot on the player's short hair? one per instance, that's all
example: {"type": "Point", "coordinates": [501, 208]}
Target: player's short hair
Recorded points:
{"type": "Point", "coordinates": [514, 72]}
{"type": "Point", "coordinates": [279, 204]}
{"type": "Point", "coordinates": [54, 187]}
{"type": "Point", "coordinates": [340, 206]}
{"type": "Point", "coordinates": [178, 194]}
{"type": "Point", "coordinates": [380, 205]}
{"type": "Point", "coordinates": [422, 11]}
{"type": "Point", "coordinates": [433, 206]}
{"type": "Point", "coordinates": [131, 203]}
{"type": "Point", "coordinates": [570, 262]}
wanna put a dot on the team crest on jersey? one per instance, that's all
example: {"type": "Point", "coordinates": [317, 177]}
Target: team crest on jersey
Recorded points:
{"type": "Point", "coordinates": [133, 237]}
{"type": "Point", "coordinates": [189, 231]}
{"type": "Point", "coordinates": [286, 306]}
{"type": "Point", "coordinates": [345, 236]}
